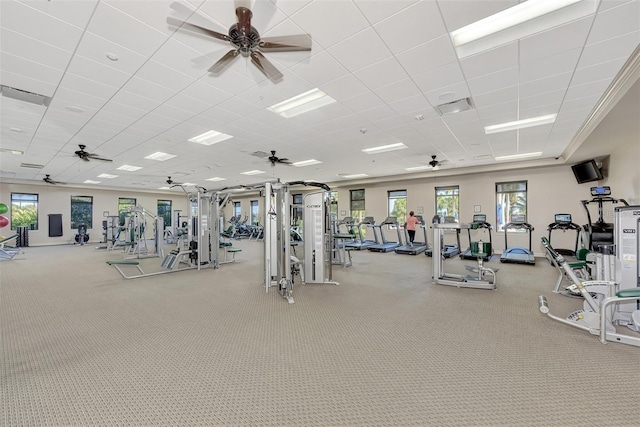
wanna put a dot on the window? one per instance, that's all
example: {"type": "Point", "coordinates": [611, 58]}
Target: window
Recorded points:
{"type": "Point", "coordinates": [448, 201]}
{"type": "Point", "coordinates": [237, 210]}
{"type": "Point", "coordinates": [357, 205]}
{"type": "Point", "coordinates": [398, 205]}
{"type": "Point", "coordinates": [255, 212]}
{"type": "Point", "coordinates": [24, 210]}
{"type": "Point", "coordinates": [164, 211]}
{"type": "Point", "coordinates": [297, 212]}
{"type": "Point", "coordinates": [81, 211]}
{"type": "Point", "coordinates": [123, 205]}
{"type": "Point", "coordinates": [333, 204]}
{"type": "Point", "coordinates": [511, 199]}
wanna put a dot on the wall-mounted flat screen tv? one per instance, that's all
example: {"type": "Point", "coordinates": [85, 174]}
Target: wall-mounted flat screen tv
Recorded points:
{"type": "Point", "coordinates": [587, 171]}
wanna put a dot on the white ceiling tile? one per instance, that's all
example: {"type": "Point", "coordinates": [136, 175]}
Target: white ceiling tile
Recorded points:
{"type": "Point", "coordinates": [90, 87]}
{"type": "Point", "coordinates": [381, 73]}
{"type": "Point", "coordinates": [345, 88]}
{"type": "Point", "coordinates": [92, 70]}
{"type": "Point", "coordinates": [548, 84]}
{"type": "Point", "coordinates": [490, 61]}
{"type": "Point", "coordinates": [75, 13]}
{"type": "Point", "coordinates": [549, 66]}
{"type": "Point", "coordinates": [320, 68]}
{"type": "Point", "coordinates": [133, 100]}
{"type": "Point", "coordinates": [376, 10]}
{"type": "Point", "coordinates": [586, 90]}
{"type": "Point", "coordinates": [601, 71]}
{"type": "Point", "coordinates": [420, 22]}
{"type": "Point", "coordinates": [412, 105]}
{"type": "Point", "coordinates": [188, 103]}
{"type": "Point", "coordinates": [95, 48]}
{"type": "Point", "coordinates": [31, 22]}
{"type": "Point", "coordinates": [495, 81]}
{"type": "Point", "coordinates": [616, 21]}
{"type": "Point", "coordinates": [28, 48]}
{"type": "Point", "coordinates": [440, 77]}
{"type": "Point", "coordinates": [181, 58]}
{"type": "Point", "coordinates": [30, 69]}
{"type": "Point", "coordinates": [609, 49]}
{"type": "Point", "coordinates": [360, 50]}
{"type": "Point", "coordinates": [330, 22]}
{"type": "Point", "coordinates": [131, 33]}
{"type": "Point", "coordinates": [428, 56]}
{"type": "Point", "coordinates": [496, 97]}
{"type": "Point", "coordinates": [147, 89]}
{"type": "Point", "coordinates": [363, 102]}
{"type": "Point", "coordinates": [543, 99]}
{"type": "Point", "coordinates": [69, 97]}
{"type": "Point", "coordinates": [155, 16]}
{"type": "Point", "coordinates": [557, 40]}
{"type": "Point", "coordinates": [398, 90]}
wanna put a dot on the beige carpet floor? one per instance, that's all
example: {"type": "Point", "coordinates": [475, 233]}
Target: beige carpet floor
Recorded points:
{"type": "Point", "coordinates": [82, 346]}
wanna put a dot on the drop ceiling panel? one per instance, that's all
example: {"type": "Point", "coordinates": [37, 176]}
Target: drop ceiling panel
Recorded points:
{"type": "Point", "coordinates": [180, 57]}
{"type": "Point", "coordinates": [147, 89]}
{"type": "Point", "coordinates": [493, 82]}
{"type": "Point", "coordinates": [615, 22]}
{"type": "Point", "coordinates": [427, 56]}
{"type": "Point", "coordinates": [345, 88]}
{"type": "Point", "coordinates": [381, 73]}
{"type": "Point", "coordinates": [321, 68]}
{"type": "Point", "coordinates": [491, 61]}
{"type": "Point", "coordinates": [25, 47]}
{"type": "Point", "coordinates": [375, 10]}
{"type": "Point", "coordinates": [360, 50]}
{"type": "Point", "coordinates": [610, 49]}
{"type": "Point", "coordinates": [330, 22]}
{"type": "Point", "coordinates": [496, 97]}
{"type": "Point", "coordinates": [398, 90]}
{"type": "Point", "coordinates": [456, 91]}
{"type": "Point", "coordinates": [457, 14]}
{"type": "Point", "coordinates": [604, 70]}
{"type": "Point", "coordinates": [420, 22]}
{"type": "Point", "coordinates": [555, 41]}
{"type": "Point", "coordinates": [131, 33]}
{"type": "Point", "coordinates": [96, 49]}
{"type": "Point", "coordinates": [30, 70]}
{"type": "Point", "coordinates": [93, 70]}
{"type": "Point", "coordinates": [29, 21]}
{"type": "Point", "coordinates": [410, 106]}
{"type": "Point", "coordinates": [548, 84]}
{"type": "Point", "coordinates": [549, 66]}
{"type": "Point", "coordinates": [440, 77]}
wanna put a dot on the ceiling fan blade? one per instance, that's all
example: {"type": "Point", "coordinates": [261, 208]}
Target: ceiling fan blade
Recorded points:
{"type": "Point", "coordinates": [244, 20]}
{"type": "Point", "coordinates": [85, 158]}
{"type": "Point", "coordinates": [97, 157]}
{"type": "Point", "coordinates": [265, 66]}
{"type": "Point", "coordinates": [197, 29]}
{"type": "Point", "coordinates": [222, 62]}
{"type": "Point", "coordinates": [289, 43]}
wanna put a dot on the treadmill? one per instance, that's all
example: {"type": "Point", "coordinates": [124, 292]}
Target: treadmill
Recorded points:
{"type": "Point", "coordinates": [563, 222]}
{"type": "Point", "coordinates": [446, 251]}
{"type": "Point", "coordinates": [387, 246]}
{"type": "Point", "coordinates": [417, 247]}
{"type": "Point", "coordinates": [518, 255]}
{"type": "Point", "coordinates": [479, 222]}
{"type": "Point", "coordinates": [362, 243]}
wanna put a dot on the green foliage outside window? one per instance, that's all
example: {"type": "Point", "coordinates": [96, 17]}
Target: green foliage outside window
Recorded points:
{"type": "Point", "coordinates": [164, 211]}
{"type": "Point", "coordinates": [24, 210]}
{"type": "Point", "coordinates": [81, 211]}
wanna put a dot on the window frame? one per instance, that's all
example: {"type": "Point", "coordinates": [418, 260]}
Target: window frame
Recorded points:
{"type": "Point", "coordinates": [89, 224]}
{"type": "Point", "coordinates": [122, 207]}
{"type": "Point", "coordinates": [255, 215]}
{"type": "Point", "coordinates": [401, 220]}
{"type": "Point", "coordinates": [455, 195]}
{"type": "Point", "coordinates": [14, 201]}
{"type": "Point", "coordinates": [357, 212]}
{"type": "Point", "coordinates": [499, 227]}
{"type": "Point", "coordinates": [237, 210]}
{"type": "Point", "coordinates": [169, 211]}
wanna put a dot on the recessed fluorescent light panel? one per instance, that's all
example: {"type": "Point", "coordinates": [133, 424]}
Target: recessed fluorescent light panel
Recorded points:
{"type": "Point", "coordinates": [9, 150]}
{"type": "Point", "coordinates": [303, 103]}
{"type": "Point", "coordinates": [520, 124]}
{"type": "Point", "coordinates": [217, 178]}
{"type": "Point", "coordinates": [385, 148]}
{"type": "Point", "coordinates": [517, 22]}
{"type": "Point", "coordinates": [355, 175]}
{"type": "Point", "coordinates": [129, 168]}
{"type": "Point", "coordinates": [89, 181]}
{"type": "Point", "coordinates": [519, 156]}
{"type": "Point", "coordinates": [253, 172]}
{"type": "Point", "coordinates": [306, 163]}
{"type": "Point", "coordinates": [418, 168]}
{"type": "Point", "coordinates": [164, 188]}
{"type": "Point", "coordinates": [160, 156]}
{"type": "Point", "coordinates": [106, 175]}
{"type": "Point", "coordinates": [210, 138]}
{"type": "Point", "coordinates": [188, 184]}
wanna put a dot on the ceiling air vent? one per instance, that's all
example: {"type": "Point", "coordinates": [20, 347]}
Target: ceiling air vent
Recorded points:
{"type": "Point", "coordinates": [31, 166]}
{"type": "Point", "coordinates": [26, 96]}
{"type": "Point", "coordinates": [452, 107]}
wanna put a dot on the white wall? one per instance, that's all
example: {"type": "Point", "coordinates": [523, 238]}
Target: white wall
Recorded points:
{"type": "Point", "coordinates": [57, 200]}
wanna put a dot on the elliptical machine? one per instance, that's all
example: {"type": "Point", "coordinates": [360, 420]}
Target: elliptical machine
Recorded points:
{"type": "Point", "coordinates": [599, 233]}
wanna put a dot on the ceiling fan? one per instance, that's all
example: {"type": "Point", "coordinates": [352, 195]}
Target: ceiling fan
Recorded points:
{"type": "Point", "coordinates": [48, 180]}
{"type": "Point", "coordinates": [435, 163]}
{"type": "Point", "coordinates": [172, 182]}
{"type": "Point", "coordinates": [86, 156]}
{"type": "Point", "coordinates": [274, 159]}
{"type": "Point", "coordinates": [245, 39]}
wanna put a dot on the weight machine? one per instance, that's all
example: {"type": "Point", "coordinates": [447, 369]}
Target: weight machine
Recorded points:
{"type": "Point", "coordinates": [280, 265]}
{"type": "Point", "coordinates": [481, 280]}
{"type": "Point", "coordinates": [599, 233]}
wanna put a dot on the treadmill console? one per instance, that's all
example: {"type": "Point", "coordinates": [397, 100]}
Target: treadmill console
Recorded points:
{"type": "Point", "coordinates": [600, 191]}
{"type": "Point", "coordinates": [520, 219]}
{"type": "Point", "coordinates": [563, 218]}
{"type": "Point", "coordinates": [480, 218]}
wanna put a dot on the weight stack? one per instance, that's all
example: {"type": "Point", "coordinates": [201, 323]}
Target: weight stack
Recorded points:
{"type": "Point", "coordinates": [22, 241]}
